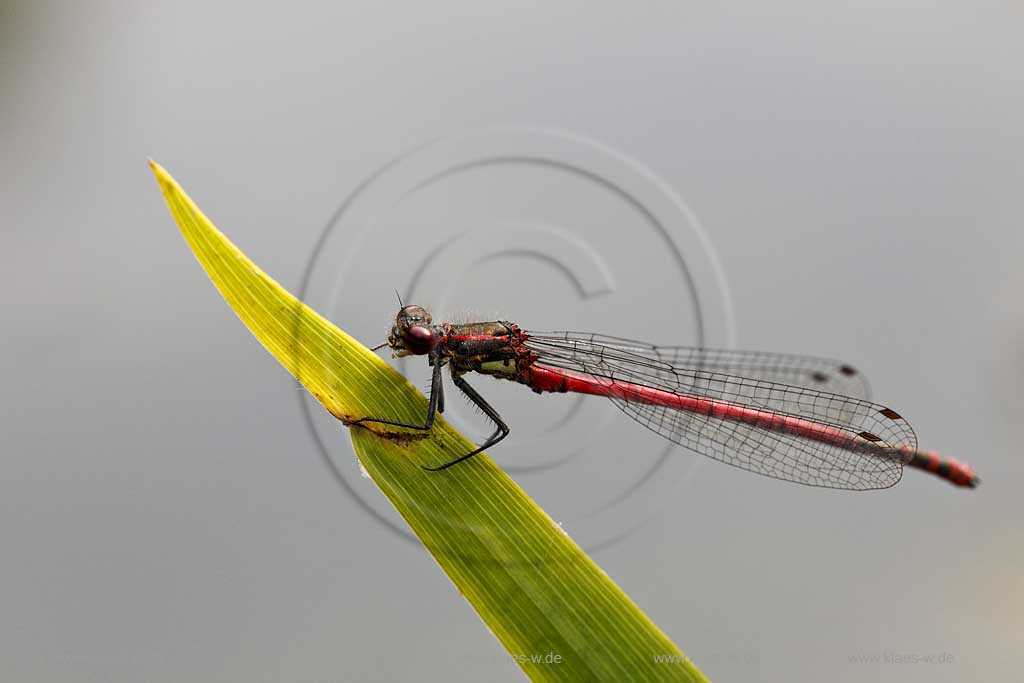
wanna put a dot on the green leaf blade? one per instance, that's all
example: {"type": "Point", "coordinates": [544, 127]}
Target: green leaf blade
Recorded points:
{"type": "Point", "coordinates": [535, 589]}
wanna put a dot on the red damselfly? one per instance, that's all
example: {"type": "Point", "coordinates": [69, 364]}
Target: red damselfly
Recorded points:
{"type": "Point", "coordinates": [797, 418]}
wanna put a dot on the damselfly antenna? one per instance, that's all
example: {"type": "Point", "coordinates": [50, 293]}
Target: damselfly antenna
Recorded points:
{"type": "Point", "coordinates": [378, 347]}
{"type": "Point", "coordinates": [400, 304]}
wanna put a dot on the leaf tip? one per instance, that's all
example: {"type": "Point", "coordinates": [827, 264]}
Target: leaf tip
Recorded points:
{"type": "Point", "coordinates": [163, 178]}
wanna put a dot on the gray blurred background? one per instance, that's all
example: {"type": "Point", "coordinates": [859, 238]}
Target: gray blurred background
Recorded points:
{"type": "Point", "coordinates": [166, 510]}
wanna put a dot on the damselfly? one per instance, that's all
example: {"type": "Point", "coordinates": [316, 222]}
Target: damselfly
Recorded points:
{"type": "Point", "coordinates": [797, 418]}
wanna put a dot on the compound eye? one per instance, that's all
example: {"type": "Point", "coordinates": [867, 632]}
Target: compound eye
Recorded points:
{"type": "Point", "coordinates": [412, 315]}
{"type": "Point", "coordinates": [419, 340]}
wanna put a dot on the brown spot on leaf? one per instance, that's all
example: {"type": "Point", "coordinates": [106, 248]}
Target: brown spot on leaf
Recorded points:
{"type": "Point", "coordinates": [400, 438]}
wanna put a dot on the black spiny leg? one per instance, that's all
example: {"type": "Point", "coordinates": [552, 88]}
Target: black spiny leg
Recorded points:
{"type": "Point", "coordinates": [488, 411]}
{"type": "Point", "coordinates": [440, 394]}
{"type": "Point", "coordinates": [436, 397]}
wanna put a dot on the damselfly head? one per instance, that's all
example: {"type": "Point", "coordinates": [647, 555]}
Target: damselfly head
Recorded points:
{"type": "Point", "coordinates": [412, 333]}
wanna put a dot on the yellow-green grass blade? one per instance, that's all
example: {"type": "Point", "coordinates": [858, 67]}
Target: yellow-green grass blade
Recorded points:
{"type": "Point", "coordinates": [560, 617]}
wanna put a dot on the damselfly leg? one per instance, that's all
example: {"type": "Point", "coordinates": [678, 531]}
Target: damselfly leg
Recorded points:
{"type": "Point", "coordinates": [440, 394]}
{"type": "Point", "coordinates": [435, 404]}
{"type": "Point", "coordinates": [490, 412]}
{"type": "Point", "coordinates": [436, 396]}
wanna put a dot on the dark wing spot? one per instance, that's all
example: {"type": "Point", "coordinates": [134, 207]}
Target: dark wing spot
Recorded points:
{"type": "Point", "coordinates": [819, 377]}
{"type": "Point", "coordinates": [847, 370]}
{"type": "Point", "coordinates": [890, 413]}
{"type": "Point", "coordinates": [869, 436]}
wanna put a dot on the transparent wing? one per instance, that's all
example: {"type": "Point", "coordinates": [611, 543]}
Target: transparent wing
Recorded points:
{"type": "Point", "coordinates": [796, 386]}
{"type": "Point", "coordinates": [823, 374]}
